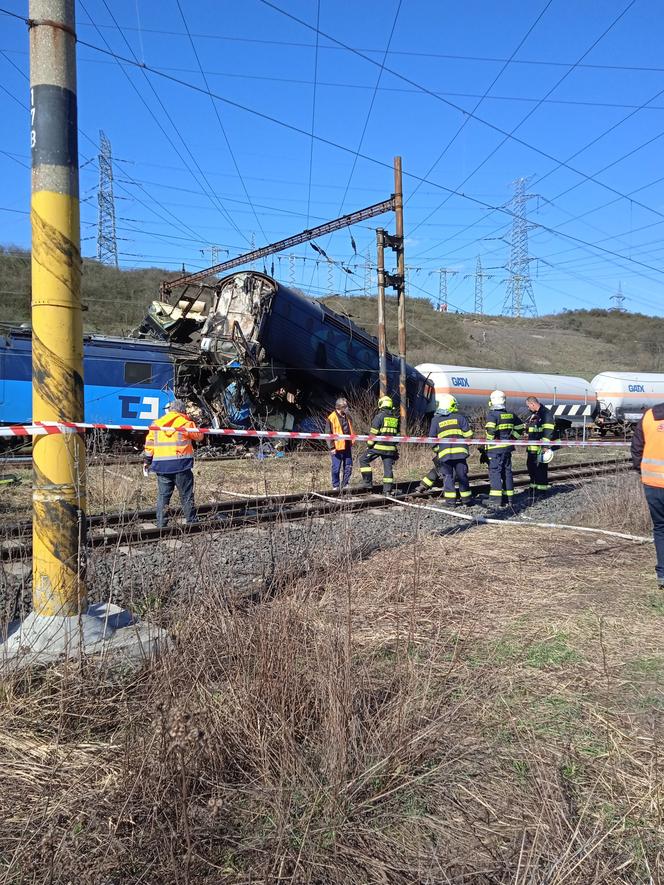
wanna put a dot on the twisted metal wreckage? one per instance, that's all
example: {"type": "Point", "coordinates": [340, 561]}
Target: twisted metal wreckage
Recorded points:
{"type": "Point", "coordinates": [260, 354]}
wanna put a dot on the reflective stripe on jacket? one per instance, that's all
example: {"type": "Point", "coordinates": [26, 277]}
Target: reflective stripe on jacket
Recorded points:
{"type": "Point", "coordinates": [652, 461]}
{"type": "Point", "coordinates": [447, 425]}
{"type": "Point", "coordinates": [504, 426]}
{"type": "Point", "coordinates": [169, 448]}
{"type": "Point", "coordinates": [541, 428]}
{"type": "Point", "coordinates": [335, 426]}
{"type": "Point", "coordinates": [384, 423]}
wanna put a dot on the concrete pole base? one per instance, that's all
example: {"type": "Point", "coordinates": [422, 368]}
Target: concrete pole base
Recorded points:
{"type": "Point", "coordinates": [104, 629]}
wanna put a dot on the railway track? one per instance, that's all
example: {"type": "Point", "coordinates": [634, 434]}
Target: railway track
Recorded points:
{"type": "Point", "coordinates": [24, 462]}
{"type": "Point", "coordinates": [122, 528]}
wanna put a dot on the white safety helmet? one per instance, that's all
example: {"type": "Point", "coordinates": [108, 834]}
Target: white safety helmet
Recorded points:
{"type": "Point", "coordinates": [447, 403]}
{"type": "Point", "coordinates": [497, 400]}
{"type": "Point", "coordinates": [546, 456]}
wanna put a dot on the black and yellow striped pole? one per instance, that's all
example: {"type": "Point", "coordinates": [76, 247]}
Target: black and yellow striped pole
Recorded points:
{"type": "Point", "coordinates": [57, 335]}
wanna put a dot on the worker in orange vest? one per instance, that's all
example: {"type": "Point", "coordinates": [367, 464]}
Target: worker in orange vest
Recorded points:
{"type": "Point", "coordinates": [648, 457]}
{"type": "Point", "coordinates": [341, 450]}
{"type": "Point", "coordinates": [170, 454]}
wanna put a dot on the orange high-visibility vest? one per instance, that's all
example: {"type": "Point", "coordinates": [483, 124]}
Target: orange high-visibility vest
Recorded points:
{"type": "Point", "coordinates": [172, 442]}
{"type": "Point", "coordinates": [335, 424]}
{"type": "Point", "coordinates": [652, 462]}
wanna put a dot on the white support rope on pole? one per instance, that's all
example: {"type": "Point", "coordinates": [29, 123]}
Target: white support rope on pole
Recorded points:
{"type": "Point", "coordinates": [482, 520]}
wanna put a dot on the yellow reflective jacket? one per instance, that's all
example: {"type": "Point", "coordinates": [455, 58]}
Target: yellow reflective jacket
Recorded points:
{"type": "Point", "coordinates": [169, 449]}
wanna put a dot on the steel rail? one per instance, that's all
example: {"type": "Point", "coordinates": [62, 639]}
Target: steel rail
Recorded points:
{"type": "Point", "coordinates": [121, 528]}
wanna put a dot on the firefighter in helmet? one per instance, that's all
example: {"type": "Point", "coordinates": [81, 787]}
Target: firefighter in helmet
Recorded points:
{"type": "Point", "coordinates": [384, 423]}
{"type": "Point", "coordinates": [502, 428]}
{"type": "Point", "coordinates": [451, 453]}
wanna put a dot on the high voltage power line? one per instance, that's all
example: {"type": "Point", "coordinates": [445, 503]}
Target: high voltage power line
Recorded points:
{"type": "Point", "coordinates": [493, 209]}
{"type": "Point", "coordinates": [460, 109]}
{"type": "Point", "coordinates": [467, 119]}
{"type": "Point", "coordinates": [405, 52]}
{"type": "Point", "coordinates": [218, 117]}
{"type": "Point", "coordinates": [479, 276]}
{"type": "Point", "coordinates": [158, 72]}
{"type": "Point", "coordinates": [136, 63]}
{"type": "Point", "coordinates": [374, 160]}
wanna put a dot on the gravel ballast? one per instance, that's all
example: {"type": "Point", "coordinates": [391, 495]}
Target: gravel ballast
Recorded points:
{"type": "Point", "coordinates": [249, 563]}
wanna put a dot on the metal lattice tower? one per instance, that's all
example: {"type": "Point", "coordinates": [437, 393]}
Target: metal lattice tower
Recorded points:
{"type": "Point", "coordinates": [443, 274]}
{"type": "Point", "coordinates": [619, 299]}
{"type": "Point", "coordinates": [520, 299]}
{"type": "Point", "coordinates": [107, 241]}
{"type": "Point", "coordinates": [479, 277]}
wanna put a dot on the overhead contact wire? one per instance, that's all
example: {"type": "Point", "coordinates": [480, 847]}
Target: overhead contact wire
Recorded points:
{"type": "Point", "coordinates": [374, 160]}
{"type": "Point", "coordinates": [467, 119]}
{"type": "Point", "coordinates": [531, 112]}
{"type": "Point", "coordinates": [220, 122]}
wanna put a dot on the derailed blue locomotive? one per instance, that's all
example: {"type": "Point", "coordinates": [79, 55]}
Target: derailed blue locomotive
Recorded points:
{"type": "Point", "coordinates": [125, 381]}
{"type": "Point", "coordinates": [272, 356]}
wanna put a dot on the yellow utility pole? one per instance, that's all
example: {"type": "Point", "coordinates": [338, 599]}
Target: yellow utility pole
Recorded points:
{"type": "Point", "coordinates": [58, 498]}
{"type": "Point", "coordinates": [61, 622]}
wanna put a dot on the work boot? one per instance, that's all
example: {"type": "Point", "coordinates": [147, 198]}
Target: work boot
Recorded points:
{"type": "Point", "coordinates": [493, 502]}
{"type": "Point", "coordinates": [388, 490]}
{"type": "Point", "coordinates": [421, 489]}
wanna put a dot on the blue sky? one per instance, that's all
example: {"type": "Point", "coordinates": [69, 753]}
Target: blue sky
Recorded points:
{"type": "Point", "coordinates": [472, 95]}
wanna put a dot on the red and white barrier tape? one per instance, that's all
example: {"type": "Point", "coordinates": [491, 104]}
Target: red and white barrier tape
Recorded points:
{"type": "Point", "coordinates": [43, 428]}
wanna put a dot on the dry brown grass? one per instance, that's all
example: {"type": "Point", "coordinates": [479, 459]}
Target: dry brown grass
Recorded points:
{"type": "Point", "coordinates": [484, 707]}
{"type": "Point", "coordinates": [615, 502]}
{"type": "Point", "coordinates": [118, 487]}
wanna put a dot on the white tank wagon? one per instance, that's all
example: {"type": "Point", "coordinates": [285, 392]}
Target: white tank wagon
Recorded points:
{"type": "Point", "coordinates": [623, 397]}
{"type": "Point", "coordinates": [571, 399]}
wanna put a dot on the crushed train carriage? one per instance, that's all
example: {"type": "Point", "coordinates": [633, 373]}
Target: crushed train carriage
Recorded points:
{"type": "Point", "coordinates": [271, 356]}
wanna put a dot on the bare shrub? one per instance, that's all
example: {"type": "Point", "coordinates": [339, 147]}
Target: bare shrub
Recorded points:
{"type": "Point", "coordinates": [392, 720]}
{"type": "Point", "coordinates": [615, 502]}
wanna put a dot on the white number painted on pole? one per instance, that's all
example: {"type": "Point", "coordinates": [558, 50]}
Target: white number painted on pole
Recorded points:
{"type": "Point", "coordinates": [33, 112]}
{"type": "Point", "coordinates": [152, 411]}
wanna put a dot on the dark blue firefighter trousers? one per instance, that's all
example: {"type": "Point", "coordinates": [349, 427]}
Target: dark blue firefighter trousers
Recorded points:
{"type": "Point", "coordinates": [342, 467]}
{"type": "Point", "coordinates": [655, 499]}
{"type": "Point", "coordinates": [500, 473]}
{"type": "Point", "coordinates": [184, 482]}
{"type": "Point", "coordinates": [451, 471]}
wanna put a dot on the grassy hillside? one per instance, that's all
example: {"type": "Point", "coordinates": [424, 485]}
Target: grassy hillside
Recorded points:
{"type": "Point", "coordinates": [574, 342]}
{"type": "Point", "coordinates": [114, 301]}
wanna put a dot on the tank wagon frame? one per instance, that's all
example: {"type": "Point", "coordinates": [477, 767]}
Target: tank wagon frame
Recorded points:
{"type": "Point", "coordinates": [622, 397]}
{"type": "Point", "coordinates": [572, 400]}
